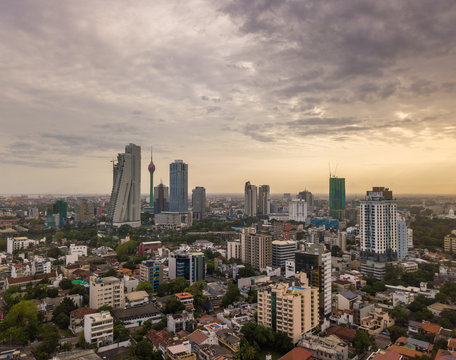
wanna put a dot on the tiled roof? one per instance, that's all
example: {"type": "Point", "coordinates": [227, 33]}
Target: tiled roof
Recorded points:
{"type": "Point", "coordinates": [431, 328]}
{"type": "Point", "coordinates": [297, 353]}
{"type": "Point", "coordinates": [198, 337]}
{"type": "Point", "coordinates": [24, 279]}
{"type": "Point", "coordinates": [342, 332]}
{"type": "Point", "coordinates": [80, 312]}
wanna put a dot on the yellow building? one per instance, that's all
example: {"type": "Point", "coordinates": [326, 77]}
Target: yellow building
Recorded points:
{"type": "Point", "coordinates": [292, 310]}
{"type": "Point", "coordinates": [449, 242]}
{"type": "Point", "coordinates": [106, 291]}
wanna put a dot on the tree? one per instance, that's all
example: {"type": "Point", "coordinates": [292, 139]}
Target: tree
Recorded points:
{"type": "Point", "coordinates": [105, 308]}
{"type": "Point", "coordinates": [127, 248]}
{"type": "Point", "coordinates": [144, 350]}
{"type": "Point", "coordinates": [62, 320]}
{"type": "Point", "coordinates": [65, 307]}
{"type": "Point", "coordinates": [336, 251]}
{"type": "Point", "coordinates": [196, 289]}
{"type": "Point", "coordinates": [400, 315]}
{"type": "Point", "coordinates": [396, 332]}
{"type": "Point", "coordinates": [246, 271]}
{"type": "Point", "coordinates": [52, 292]}
{"type": "Point", "coordinates": [361, 341]}
{"type": "Point", "coordinates": [65, 284]}
{"type": "Point", "coordinates": [49, 336]}
{"type": "Point", "coordinates": [146, 286]}
{"type": "Point", "coordinates": [173, 305]}
{"type": "Point", "coordinates": [232, 294]}
{"type": "Point", "coordinates": [121, 333]}
{"type": "Point", "coordinates": [21, 323]}
{"type": "Point", "coordinates": [54, 252]}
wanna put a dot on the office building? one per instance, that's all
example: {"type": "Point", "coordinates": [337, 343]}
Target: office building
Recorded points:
{"type": "Point", "coordinates": [315, 262]}
{"type": "Point", "coordinates": [161, 202]}
{"type": "Point", "coordinates": [292, 310]}
{"type": "Point", "coordinates": [297, 210]}
{"type": "Point", "coordinates": [308, 198]}
{"type": "Point", "coordinates": [99, 328]}
{"type": "Point", "coordinates": [191, 266]}
{"type": "Point", "coordinates": [233, 249]}
{"type": "Point", "coordinates": [256, 248]}
{"type": "Point", "coordinates": [106, 291]}
{"type": "Point", "coordinates": [125, 203]}
{"type": "Point", "coordinates": [378, 225]}
{"type": "Point", "coordinates": [152, 272]}
{"type": "Point", "coordinates": [86, 212]}
{"type": "Point", "coordinates": [250, 199]}
{"type": "Point", "coordinates": [336, 197]}
{"type": "Point", "coordinates": [264, 201]}
{"type": "Point", "coordinates": [282, 250]}
{"type": "Point", "coordinates": [402, 239]}
{"type": "Point", "coordinates": [178, 186]}
{"type": "Point", "coordinates": [199, 203]}
{"type": "Point", "coordinates": [151, 169]}
{"type": "Point", "coordinates": [449, 242]}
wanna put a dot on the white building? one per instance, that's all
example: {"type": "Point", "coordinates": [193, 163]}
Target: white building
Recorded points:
{"type": "Point", "coordinates": [290, 268]}
{"type": "Point", "coordinates": [99, 329]}
{"type": "Point", "coordinates": [233, 249]}
{"type": "Point", "coordinates": [297, 210]}
{"type": "Point", "coordinates": [378, 228]}
{"type": "Point", "coordinates": [80, 250]}
{"type": "Point", "coordinates": [106, 291]}
{"type": "Point", "coordinates": [125, 203]}
{"type": "Point", "coordinates": [402, 239]}
{"type": "Point", "coordinates": [41, 266]}
{"type": "Point", "coordinates": [15, 243]}
{"type": "Point", "coordinates": [410, 238]}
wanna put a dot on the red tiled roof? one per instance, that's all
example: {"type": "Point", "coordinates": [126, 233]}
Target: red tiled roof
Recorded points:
{"type": "Point", "coordinates": [431, 328]}
{"type": "Point", "coordinates": [389, 355]}
{"type": "Point", "coordinates": [445, 355]}
{"type": "Point", "coordinates": [80, 312]}
{"type": "Point", "coordinates": [297, 353]}
{"type": "Point", "coordinates": [409, 353]}
{"type": "Point", "coordinates": [342, 282]}
{"type": "Point", "coordinates": [198, 337]}
{"type": "Point", "coordinates": [24, 279]}
{"type": "Point", "coordinates": [344, 333]}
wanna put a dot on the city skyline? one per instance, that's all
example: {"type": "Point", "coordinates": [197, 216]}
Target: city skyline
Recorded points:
{"type": "Point", "coordinates": [269, 93]}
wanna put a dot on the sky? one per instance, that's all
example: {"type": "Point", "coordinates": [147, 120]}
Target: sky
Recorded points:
{"type": "Point", "coordinates": [275, 92]}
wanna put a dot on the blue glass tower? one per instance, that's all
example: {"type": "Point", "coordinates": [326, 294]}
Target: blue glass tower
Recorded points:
{"type": "Point", "coordinates": [178, 186]}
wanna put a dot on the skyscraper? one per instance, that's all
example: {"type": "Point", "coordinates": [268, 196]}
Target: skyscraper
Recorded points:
{"type": "Point", "coordinates": [151, 169]}
{"type": "Point", "coordinates": [256, 248]}
{"type": "Point", "coordinates": [315, 261]}
{"type": "Point", "coordinates": [336, 196]}
{"type": "Point", "coordinates": [402, 239]}
{"type": "Point", "coordinates": [297, 210]}
{"type": "Point", "coordinates": [378, 214]}
{"type": "Point", "coordinates": [199, 202]}
{"type": "Point", "coordinates": [178, 186]}
{"type": "Point", "coordinates": [86, 211]}
{"type": "Point", "coordinates": [161, 202]}
{"type": "Point", "coordinates": [125, 204]}
{"type": "Point", "coordinates": [250, 199]}
{"type": "Point", "coordinates": [264, 201]}
{"type": "Point", "coordinates": [308, 198]}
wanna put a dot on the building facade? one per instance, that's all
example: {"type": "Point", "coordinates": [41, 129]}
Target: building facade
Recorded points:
{"type": "Point", "coordinates": [125, 203]}
{"type": "Point", "coordinates": [336, 197]}
{"type": "Point", "coordinates": [449, 242]}
{"type": "Point", "coordinates": [292, 310]}
{"type": "Point", "coordinates": [152, 272]}
{"type": "Point", "coordinates": [283, 250]}
{"type": "Point", "coordinates": [233, 249]}
{"type": "Point", "coordinates": [250, 199]}
{"type": "Point", "coordinates": [402, 239]}
{"type": "Point", "coordinates": [199, 203]}
{"type": "Point", "coordinates": [264, 201]}
{"type": "Point", "coordinates": [297, 210]}
{"type": "Point", "coordinates": [161, 202]}
{"type": "Point", "coordinates": [378, 225]}
{"type": "Point", "coordinates": [178, 186]}
{"type": "Point", "coordinates": [86, 211]}
{"type": "Point", "coordinates": [99, 328]}
{"type": "Point", "coordinates": [315, 262]}
{"type": "Point", "coordinates": [191, 266]}
{"type": "Point", "coordinates": [256, 248]}
{"type": "Point", "coordinates": [106, 291]}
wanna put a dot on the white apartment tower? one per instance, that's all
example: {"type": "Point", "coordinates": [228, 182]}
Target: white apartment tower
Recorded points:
{"type": "Point", "coordinates": [297, 210]}
{"type": "Point", "coordinates": [250, 199]}
{"type": "Point", "coordinates": [99, 328]}
{"type": "Point", "coordinates": [233, 249]}
{"type": "Point", "coordinates": [106, 291]}
{"type": "Point", "coordinates": [378, 228]}
{"type": "Point", "coordinates": [125, 204]}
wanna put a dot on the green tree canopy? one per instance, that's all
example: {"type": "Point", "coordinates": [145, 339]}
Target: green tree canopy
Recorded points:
{"type": "Point", "coordinates": [173, 305]}
{"type": "Point", "coordinates": [232, 294]}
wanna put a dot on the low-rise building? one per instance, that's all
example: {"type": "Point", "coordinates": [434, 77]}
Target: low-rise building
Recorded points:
{"type": "Point", "coordinates": [180, 352]}
{"type": "Point", "coordinates": [327, 348]}
{"type": "Point", "coordinates": [136, 298]}
{"type": "Point", "coordinates": [136, 316]}
{"type": "Point", "coordinates": [186, 299]}
{"type": "Point", "coordinates": [77, 318]}
{"type": "Point", "coordinates": [99, 328]}
{"type": "Point", "coordinates": [179, 322]}
{"type": "Point", "coordinates": [376, 322]}
{"type": "Point", "coordinates": [228, 339]}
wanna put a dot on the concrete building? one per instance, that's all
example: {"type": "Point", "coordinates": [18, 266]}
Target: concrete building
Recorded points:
{"type": "Point", "coordinates": [148, 248]}
{"type": "Point", "coordinates": [282, 250]}
{"type": "Point", "coordinates": [256, 248]}
{"type": "Point", "coordinates": [125, 203]}
{"type": "Point", "coordinates": [106, 291]}
{"type": "Point", "coordinates": [308, 198]}
{"type": "Point", "coordinates": [410, 238]}
{"type": "Point", "coordinates": [297, 210]}
{"type": "Point", "coordinates": [326, 348]}
{"type": "Point", "coordinates": [378, 225]}
{"type": "Point", "coordinates": [178, 186]}
{"type": "Point", "coordinates": [250, 199]}
{"type": "Point", "coordinates": [161, 201]}
{"type": "Point", "coordinates": [152, 272]}
{"type": "Point", "coordinates": [137, 315]}
{"type": "Point", "coordinates": [264, 201]}
{"type": "Point", "coordinates": [80, 250]}
{"type": "Point", "coordinates": [173, 219]}
{"type": "Point", "coordinates": [292, 310]}
{"type": "Point", "coordinates": [199, 203]}
{"type": "Point", "coordinates": [86, 211]}
{"type": "Point", "coordinates": [136, 298]}
{"type": "Point", "coordinates": [99, 328]}
{"type": "Point", "coordinates": [336, 197]}
{"type": "Point", "coordinates": [449, 242]}
{"type": "Point", "coordinates": [179, 322]}
{"type": "Point", "coordinates": [402, 239]}
{"type": "Point", "coordinates": [376, 322]}
{"type": "Point", "coordinates": [373, 269]}
{"type": "Point", "coordinates": [191, 266]}
{"type": "Point", "coordinates": [315, 261]}
{"type": "Point", "coordinates": [151, 169]}
{"type": "Point", "coordinates": [233, 249]}
{"type": "Point", "coordinates": [15, 243]}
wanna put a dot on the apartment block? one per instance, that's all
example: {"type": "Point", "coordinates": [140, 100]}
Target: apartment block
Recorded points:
{"type": "Point", "coordinates": [152, 272]}
{"type": "Point", "coordinates": [256, 248]}
{"type": "Point", "coordinates": [292, 310]}
{"type": "Point", "coordinates": [233, 249]}
{"type": "Point", "coordinates": [106, 291]}
{"type": "Point", "coordinates": [282, 251]}
{"type": "Point", "coordinates": [449, 242]}
{"type": "Point", "coordinates": [99, 328]}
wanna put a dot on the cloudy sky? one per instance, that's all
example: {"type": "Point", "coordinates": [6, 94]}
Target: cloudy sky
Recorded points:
{"type": "Point", "coordinates": [268, 91]}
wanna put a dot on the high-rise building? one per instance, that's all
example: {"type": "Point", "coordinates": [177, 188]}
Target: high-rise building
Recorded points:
{"type": "Point", "coordinates": [283, 250]}
{"type": "Point", "coordinates": [199, 203]}
{"type": "Point", "coordinates": [250, 199]}
{"type": "Point", "coordinates": [402, 239]}
{"type": "Point", "coordinates": [308, 198]}
{"type": "Point", "coordinates": [256, 248]}
{"type": "Point", "coordinates": [264, 201]}
{"type": "Point", "coordinates": [125, 204]}
{"type": "Point", "coordinates": [152, 272]}
{"type": "Point", "coordinates": [292, 310]}
{"type": "Point", "coordinates": [151, 169]}
{"type": "Point", "coordinates": [178, 186]}
{"type": "Point", "coordinates": [315, 261]}
{"type": "Point", "coordinates": [378, 225]}
{"type": "Point", "coordinates": [410, 238]}
{"type": "Point", "coordinates": [86, 211]}
{"type": "Point", "coordinates": [233, 249]}
{"type": "Point", "coordinates": [191, 266]}
{"type": "Point", "coordinates": [161, 202]}
{"type": "Point", "coordinates": [106, 291]}
{"type": "Point", "coordinates": [336, 197]}
{"type": "Point", "coordinates": [297, 210]}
